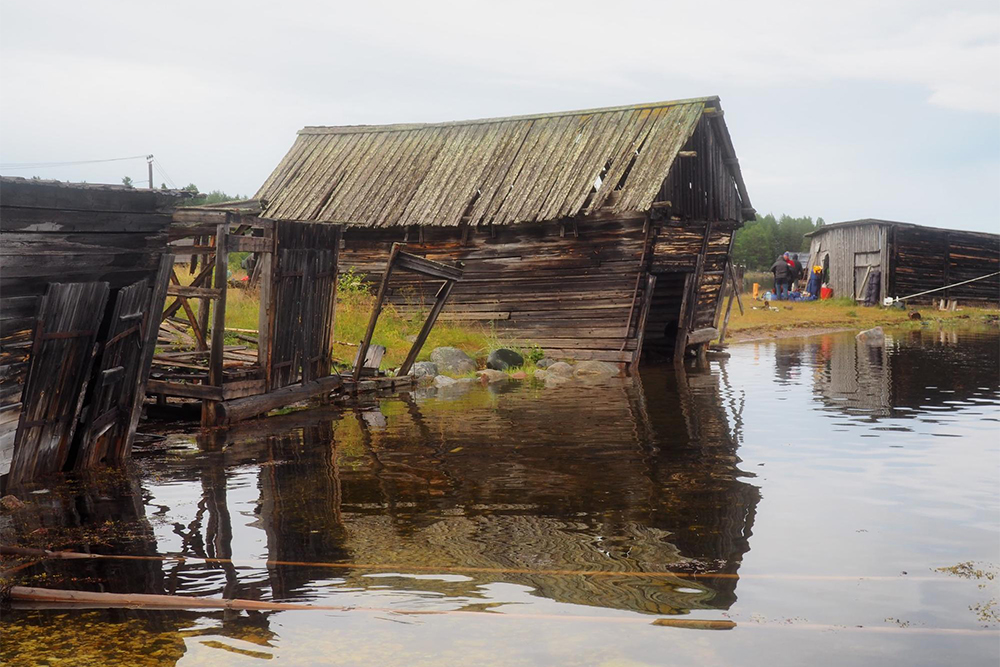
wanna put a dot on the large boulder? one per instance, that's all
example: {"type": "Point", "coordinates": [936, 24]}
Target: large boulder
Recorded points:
{"type": "Point", "coordinates": [596, 369]}
{"type": "Point", "coordinates": [422, 368]}
{"type": "Point", "coordinates": [560, 368]}
{"type": "Point", "coordinates": [453, 361]}
{"type": "Point", "coordinates": [503, 358]}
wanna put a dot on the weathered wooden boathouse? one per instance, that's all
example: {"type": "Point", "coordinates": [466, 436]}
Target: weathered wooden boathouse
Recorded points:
{"type": "Point", "coordinates": [595, 234]}
{"type": "Point", "coordinates": [81, 270]}
{"type": "Point", "coordinates": [906, 259]}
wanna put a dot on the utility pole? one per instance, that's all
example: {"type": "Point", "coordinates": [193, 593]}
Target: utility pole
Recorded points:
{"type": "Point", "coordinates": [149, 166]}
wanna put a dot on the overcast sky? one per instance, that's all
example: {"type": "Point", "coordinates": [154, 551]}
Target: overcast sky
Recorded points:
{"type": "Point", "coordinates": [837, 109]}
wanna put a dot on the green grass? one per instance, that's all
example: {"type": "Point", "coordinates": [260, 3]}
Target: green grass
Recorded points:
{"type": "Point", "coordinates": [394, 329]}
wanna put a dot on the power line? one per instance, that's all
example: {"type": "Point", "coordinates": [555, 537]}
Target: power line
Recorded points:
{"type": "Point", "coordinates": [39, 165]}
{"type": "Point", "coordinates": [163, 173]}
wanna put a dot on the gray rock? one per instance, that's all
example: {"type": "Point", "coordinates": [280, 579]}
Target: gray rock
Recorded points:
{"type": "Point", "coordinates": [444, 381]}
{"type": "Point", "coordinates": [560, 368]}
{"type": "Point", "coordinates": [541, 374]}
{"type": "Point", "coordinates": [453, 360]}
{"type": "Point", "coordinates": [422, 368]}
{"type": "Point", "coordinates": [456, 388]}
{"type": "Point", "coordinates": [872, 336]}
{"type": "Point", "coordinates": [596, 368]}
{"type": "Point", "coordinates": [490, 376]}
{"type": "Point", "coordinates": [545, 362]}
{"type": "Point", "coordinates": [504, 358]}
{"type": "Point", "coordinates": [11, 503]}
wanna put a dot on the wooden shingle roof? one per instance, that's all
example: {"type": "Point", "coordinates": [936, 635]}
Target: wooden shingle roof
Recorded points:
{"type": "Point", "coordinates": [490, 171]}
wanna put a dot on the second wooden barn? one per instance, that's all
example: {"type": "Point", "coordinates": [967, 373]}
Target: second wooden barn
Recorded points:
{"type": "Point", "coordinates": [590, 233]}
{"type": "Point", "coordinates": [901, 259]}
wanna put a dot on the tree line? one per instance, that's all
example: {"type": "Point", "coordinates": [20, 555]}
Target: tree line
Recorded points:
{"type": "Point", "coordinates": [759, 242]}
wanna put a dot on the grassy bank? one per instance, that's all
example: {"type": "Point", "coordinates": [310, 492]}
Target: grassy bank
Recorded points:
{"type": "Point", "coordinates": [780, 317]}
{"type": "Point", "coordinates": [395, 330]}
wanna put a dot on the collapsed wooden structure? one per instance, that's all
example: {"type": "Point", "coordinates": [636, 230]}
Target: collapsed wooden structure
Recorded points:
{"type": "Point", "coordinates": [82, 270]}
{"type": "Point", "coordinates": [595, 234]}
{"type": "Point", "coordinates": [906, 259]}
{"type": "Point", "coordinates": [297, 280]}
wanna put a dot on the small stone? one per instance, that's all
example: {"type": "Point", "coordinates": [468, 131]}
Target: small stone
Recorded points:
{"type": "Point", "coordinates": [872, 336]}
{"type": "Point", "coordinates": [596, 368]}
{"type": "Point", "coordinates": [452, 360]}
{"type": "Point", "coordinates": [504, 358]}
{"type": "Point", "coordinates": [520, 375]}
{"type": "Point", "coordinates": [541, 374]}
{"type": "Point", "coordinates": [11, 503]}
{"type": "Point", "coordinates": [545, 362]}
{"type": "Point", "coordinates": [444, 381]}
{"type": "Point", "coordinates": [560, 368]}
{"type": "Point", "coordinates": [490, 376]}
{"type": "Point", "coordinates": [422, 368]}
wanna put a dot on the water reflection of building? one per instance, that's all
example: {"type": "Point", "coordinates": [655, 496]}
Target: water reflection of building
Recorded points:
{"type": "Point", "coordinates": [902, 377]}
{"type": "Point", "coordinates": [536, 488]}
{"type": "Point", "coordinates": [516, 486]}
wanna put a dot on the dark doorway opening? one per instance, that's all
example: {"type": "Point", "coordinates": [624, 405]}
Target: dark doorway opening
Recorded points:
{"type": "Point", "coordinates": [664, 317]}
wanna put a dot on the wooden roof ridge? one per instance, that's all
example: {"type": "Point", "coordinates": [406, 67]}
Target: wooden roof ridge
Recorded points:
{"type": "Point", "coordinates": [404, 127]}
{"type": "Point", "coordinates": [896, 223]}
{"type": "Point", "coordinates": [492, 171]}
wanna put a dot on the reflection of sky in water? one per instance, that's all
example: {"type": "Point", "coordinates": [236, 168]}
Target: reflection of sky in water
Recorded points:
{"type": "Point", "coordinates": [825, 480]}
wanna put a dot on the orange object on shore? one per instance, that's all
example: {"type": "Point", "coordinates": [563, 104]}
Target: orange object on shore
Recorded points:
{"type": "Point", "coordinates": [825, 292]}
{"type": "Point", "coordinates": [756, 291]}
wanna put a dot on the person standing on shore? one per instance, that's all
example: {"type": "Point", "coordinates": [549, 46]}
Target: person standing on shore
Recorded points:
{"type": "Point", "coordinates": [782, 278]}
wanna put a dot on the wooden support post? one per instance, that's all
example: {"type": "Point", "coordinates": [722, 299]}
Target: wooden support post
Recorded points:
{"type": "Point", "coordinates": [440, 299]}
{"type": "Point", "coordinates": [725, 320]}
{"type": "Point", "coordinates": [308, 333]}
{"type": "Point", "coordinates": [209, 415]}
{"type": "Point", "coordinates": [373, 320]}
{"type": "Point", "coordinates": [647, 302]}
{"type": "Point", "coordinates": [203, 309]}
{"type": "Point", "coordinates": [680, 345]}
{"type": "Point", "coordinates": [699, 272]}
{"type": "Point", "coordinates": [265, 264]}
{"type": "Point", "coordinates": [152, 321]}
{"type": "Point", "coordinates": [737, 287]}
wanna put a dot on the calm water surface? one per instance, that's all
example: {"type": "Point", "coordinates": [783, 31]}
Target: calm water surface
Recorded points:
{"type": "Point", "coordinates": [808, 490]}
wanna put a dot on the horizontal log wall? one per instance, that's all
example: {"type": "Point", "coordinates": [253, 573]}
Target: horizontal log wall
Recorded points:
{"type": "Point", "coordinates": [571, 289]}
{"type": "Point", "coordinates": [928, 258]}
{"type": "Point", "coordinates": [676, 249]}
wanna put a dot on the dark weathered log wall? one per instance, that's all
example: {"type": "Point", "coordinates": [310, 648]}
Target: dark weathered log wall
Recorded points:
{"type": "Point", "coordinates": [576, 290]}
{"type": "Point", "coordinates": [924, 259]}
{"type": "Point", "coordinates": [56, 233]}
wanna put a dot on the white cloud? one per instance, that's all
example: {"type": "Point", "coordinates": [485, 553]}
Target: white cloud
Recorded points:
{"type": "Point", "coordinates": [217, 90]}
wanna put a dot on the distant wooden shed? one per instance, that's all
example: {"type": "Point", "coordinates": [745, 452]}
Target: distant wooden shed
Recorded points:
{"type": "Point", "coordinates": [907, 259]}
{"type": "Point", "coordinates": [589, 233]}
{"type": "Point", "coordinates": [82, 267]}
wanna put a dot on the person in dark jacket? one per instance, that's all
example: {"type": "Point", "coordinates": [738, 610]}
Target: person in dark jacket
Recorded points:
{"type": "Point", "coordinates": [782, 278]}
{"type": "Point", "coordinates": [798, 272]}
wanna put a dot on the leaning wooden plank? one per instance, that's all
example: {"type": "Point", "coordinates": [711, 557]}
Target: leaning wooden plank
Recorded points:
{"type": "Point", "coordinates": [376, 309]}
{"type": "Point", "coordinates": [244, 408]}
{"type": "Point", "coordinates": [410, 262]}
{"type": "Point", "coordinates": [418, 343]}
{"type": "Point", "coordinates": [682, 326]}
{"type": "Point", "coordinates": [57, 378]}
